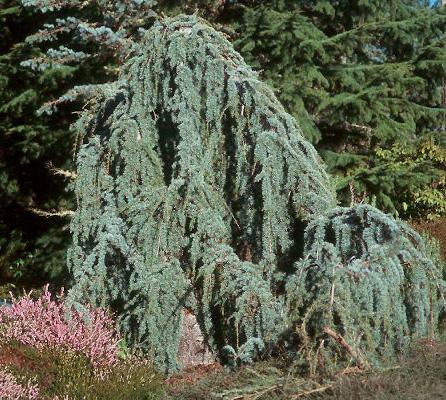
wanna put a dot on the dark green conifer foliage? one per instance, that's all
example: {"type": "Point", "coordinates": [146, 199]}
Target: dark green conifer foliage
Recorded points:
{"type": "Point", "coordinates": [32, 248]}
{"type": "Point", "coordinates": [190, 182]}
{"type": "Point", "coordinates": [54, 54]}
{"type": "Point", "coordinates": [357, 75]}
{"type": "Point", "coordinates": [194, 186]}
{"type": "Point", "coordinates": [95, 36]}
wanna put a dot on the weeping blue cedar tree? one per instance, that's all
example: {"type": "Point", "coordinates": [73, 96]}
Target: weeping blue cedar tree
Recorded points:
{"type": "Point", "coordinates": [193, 190]}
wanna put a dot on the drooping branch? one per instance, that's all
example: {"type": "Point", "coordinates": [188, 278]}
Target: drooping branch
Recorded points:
{"type": "Point", "coordinates": [194, 188]}
{"type": "Point", "coordinates": [187, 166]}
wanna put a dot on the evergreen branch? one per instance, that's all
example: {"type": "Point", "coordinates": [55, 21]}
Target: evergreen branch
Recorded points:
{"type": "Point", "coordinates": [9, 11]}
{"type": "Point", "coordinates": [374, 66]}
{"type": "Point", "coordinates": [43, 35]}
{"type": "Point", "coordinates": [427, 16]}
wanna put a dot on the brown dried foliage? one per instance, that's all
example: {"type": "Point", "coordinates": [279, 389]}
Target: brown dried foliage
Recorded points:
{"type": "Point", "coordinates": [436, 228]}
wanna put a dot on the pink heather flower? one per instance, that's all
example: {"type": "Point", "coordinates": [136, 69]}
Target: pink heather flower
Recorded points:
{"type": "Point", "coordinates": [10, 389]}
{"type": "Point", "coordinates": [41, 324]}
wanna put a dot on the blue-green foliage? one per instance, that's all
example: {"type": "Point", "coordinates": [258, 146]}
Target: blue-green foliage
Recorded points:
{"type": "Point", "coordinates": [367, 277]}
{"type": "Point", "coordinates": [193, 186]}
{"type": "Point", "coordinates": [95, 31]}
{"type": "Point", "coordinates": [188, 164]}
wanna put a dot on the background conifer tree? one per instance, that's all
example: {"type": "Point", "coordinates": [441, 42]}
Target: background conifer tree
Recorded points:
{"type": "Point", "coordinates": [32, 247]}
{"type": "Point", "coordinates": [360, 76]}
{"type": "Point", "coordinates": [97, 35]}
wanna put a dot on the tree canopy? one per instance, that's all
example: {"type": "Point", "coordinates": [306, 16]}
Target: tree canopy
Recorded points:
{"type": "Point", "coordinates": [364, 79]}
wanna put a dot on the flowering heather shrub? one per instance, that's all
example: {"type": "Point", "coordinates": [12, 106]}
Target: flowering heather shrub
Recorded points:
{"type": "Point", "coordinates": [11, 389]}
{"type": "Point", "coordinates": [41, 323]}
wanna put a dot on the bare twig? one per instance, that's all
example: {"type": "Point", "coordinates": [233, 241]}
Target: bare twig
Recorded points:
{"type": "Point", "coordinates": [312, 391]}
{"type": "Point", "coordinates": [61, 172]}
{"type": "Point", "coordinates": [336, 336]}
{"type": "Point", "coordinates": [256, 396]}
{"type": "Point", "coordinates": [332, 291]}
{"type": "Point", "coordinates": [356, 199]}
{"type": "Point", "coordinates": [47, 214]}
{"type": "Point", "coordinates": [352, 127]}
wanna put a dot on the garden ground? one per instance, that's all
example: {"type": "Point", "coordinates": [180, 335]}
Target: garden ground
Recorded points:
{"type": "Point", "coordinates": [419, 375]}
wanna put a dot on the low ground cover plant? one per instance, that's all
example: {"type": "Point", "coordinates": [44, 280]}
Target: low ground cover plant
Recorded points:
{"type": "Point", "coordinates": [12, 388]}
{"type": "Point", "coordinates": [45, 323]}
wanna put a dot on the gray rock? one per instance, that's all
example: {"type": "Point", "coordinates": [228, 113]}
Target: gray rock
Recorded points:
{"type": "Point", "coordinates": [193, 349]}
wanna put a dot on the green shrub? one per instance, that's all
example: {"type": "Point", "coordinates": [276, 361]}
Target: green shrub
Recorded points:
{"type": "Point", "coordinates": [365, 289]}
{"type": "Point", "coordinates": [191, 181]}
